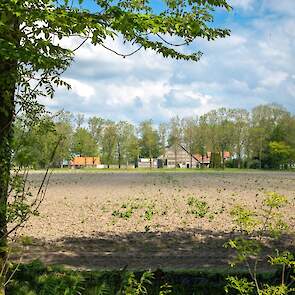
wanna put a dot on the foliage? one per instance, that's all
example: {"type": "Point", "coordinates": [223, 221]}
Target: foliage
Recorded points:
{"type": "Point", "coordinates": [280, 153]}
{"type": "Point", "coordinates": [148, 214]}
{"type": "Point", "coordinates": [29, 279]}
{"type": "Point", "coordinates": [197, 207]}
{"type": "Point", "coordinates": [119, 142]}
{"type": "Point", "coordinates": [254, 227]}
{"type": "Point", "coordinates": [127, 213]}
{"type": "Point", "coordinates": [84, 144]}
{"type": "Point", "coordinates": [149, 140]}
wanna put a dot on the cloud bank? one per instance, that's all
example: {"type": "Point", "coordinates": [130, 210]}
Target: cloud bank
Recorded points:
{"type": "Point", "coordinates": [255, 65]}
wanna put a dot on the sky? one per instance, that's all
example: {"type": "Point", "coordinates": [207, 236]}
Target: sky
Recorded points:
{"type": "Point", "coordinates": [255, 65]}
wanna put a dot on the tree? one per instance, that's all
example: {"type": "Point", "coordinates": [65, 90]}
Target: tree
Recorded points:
{"type": "Point", "coordinates": [175, 136]}
{"type": "Point", "coordinates": [95, 126]}
{"type": "Point", "coordinates": [33, 144]}
{"type": "Point", "coordinates": [149, 141]}
{"type": "Point", "coordinates": [281, 154]}
{"type": "Point", "coordinates": [240, 132]}
{"type": "Point", "coordinates": [84, 144]}
{"type": "Point", "coordinates": [209, 122]}
{"type": "Point", "coordinates": [127, 144]}
{"type": "Point", "coordinates": [265, 122]}
{"type": "Point", "coordinates": [201, 138]}
{"type": "Point", "coordinates": [189, 127]}
{"type": "Point", "coordinates": [162, 131]}
{"type": "Point", "coordinates": [109, 140]}
{"type": "Point", "coordinates": [64, 133]}
{"type": "Point", "coordinates": [29, 51]}
{"type": "Point", "coordinates": [225, 131]}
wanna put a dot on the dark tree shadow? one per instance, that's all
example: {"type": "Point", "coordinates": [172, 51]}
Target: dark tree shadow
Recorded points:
{"type": "Point", "coordinates": [180, 249]}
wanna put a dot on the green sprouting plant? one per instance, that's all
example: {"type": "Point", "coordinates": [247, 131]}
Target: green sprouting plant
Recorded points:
{"type": "Point", "coordinates": [123, 213]}
{"type": "Point", "coordinates": [131, 286]}
{"type": "Point", "coordinates": [148, 214]}
{"type": "Point", "coordinates": [254, 227]}
{"type": "Point", "coordinates": [197, 207]}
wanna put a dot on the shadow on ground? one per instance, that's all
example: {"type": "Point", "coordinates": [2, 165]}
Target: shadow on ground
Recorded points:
{"type": "Point", "coordinates": [181, 249]}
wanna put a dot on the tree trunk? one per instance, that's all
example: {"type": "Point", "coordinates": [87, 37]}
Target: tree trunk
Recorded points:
{"type": "Point", "coordinates": [260, 155]}
{"type": "Point", "coordinates": [8, 71]}
{"type": "Point", "coordinates": [239, 160]}
{"type": "Point", "coordinates": [222, 155]}
{"type": "Point", "coordinates": [119, 155]}
{"type": "Point", "coordinates": [175, 157]}
{"type": "Point", "coordinates": [7, 86]}
{"type": "Point", "coordinates": [191, 161]}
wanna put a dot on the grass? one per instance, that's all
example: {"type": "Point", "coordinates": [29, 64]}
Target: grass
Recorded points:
{"type": "Point", "coordinates": [36, 278]}
{"type": "Point", "coordinates": [160, 170]}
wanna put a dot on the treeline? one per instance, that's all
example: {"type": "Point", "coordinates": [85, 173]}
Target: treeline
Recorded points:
{"type": "Point", "coordinates": [262, 138]}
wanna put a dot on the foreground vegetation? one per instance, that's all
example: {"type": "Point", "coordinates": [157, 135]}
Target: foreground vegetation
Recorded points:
{"type": "Point", "coordinates": [37, 279]}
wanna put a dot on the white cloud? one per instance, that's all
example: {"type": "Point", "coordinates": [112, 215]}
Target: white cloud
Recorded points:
{"type": "Point", "coordinates": [244, 4]}
{"type": "Point", "coordinates": [80, 88]}
{"type": "Point", "coordinates": [254, 65]}
{"type": "Point", "coordinates": [274, 79]}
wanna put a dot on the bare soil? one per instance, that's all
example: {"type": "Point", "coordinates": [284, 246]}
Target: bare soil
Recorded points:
{"type": "Point", "coordinates": [143, 220]}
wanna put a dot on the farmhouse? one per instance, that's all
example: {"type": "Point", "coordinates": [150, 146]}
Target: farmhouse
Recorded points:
{"type": "Point", "coordinates": [182, 157]}
{"type": "Point", "coordinates": [186, 160]}
{"type": "Point", "coordinates": [78, 162]}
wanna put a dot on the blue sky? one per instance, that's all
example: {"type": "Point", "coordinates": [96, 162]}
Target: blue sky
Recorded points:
{"type": "Point", "coordinates": [255, 65]}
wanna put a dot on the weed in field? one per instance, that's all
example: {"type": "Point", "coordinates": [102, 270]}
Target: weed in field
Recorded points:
{"type": "Point", "coordinates": [148, 214]}
{"type": "Point", "coordinates": [197, 207]}
{"type": "Point", "coordinates": [126, 214]}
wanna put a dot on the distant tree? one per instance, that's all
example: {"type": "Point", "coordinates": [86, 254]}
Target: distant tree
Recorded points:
{"type": "Point", "coordinates": [175, 136]}
{"type": "Point", "coordinates": [210, 124]}
{"type": "Point", "coordinates": [126, 142]}
{"type": "Point", "coordinates": [33, 144]}
{"type": "Point", "coordinates": [95, 126]}
{"type": "Point", "coordinates": [80, 119]}
{"type": "Point", "coordinates": [225, 132]}
{"type": "Point", "coordinates": [265, 120]}
{"type": "Point", "coordinates": [240, 134]}
{"type": "Point", "coordinates": [109, 140]}
{"type": "Point", "coordinates": [149, 140]}
{"type": "Point", "coordinates": [189, 127]}
{"type": "Point", "coordinates": [84, 144]}
{"type": "Point", "coordinates": [202, 138]}
{"type": "Point", "coordinates": [281, 154]}
{"type": "Point", "coordinates": [63, 126]}
{"type": "Point", "coordinates": [163, 136]}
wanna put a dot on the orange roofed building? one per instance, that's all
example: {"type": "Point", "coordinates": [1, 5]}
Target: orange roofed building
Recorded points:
{"type": "Point", "coordinates": [78, 162]}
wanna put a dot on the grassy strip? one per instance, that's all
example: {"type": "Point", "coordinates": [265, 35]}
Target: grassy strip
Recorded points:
{"type": "Point", "coordinates": [36, 278]}
{"type": "Point", "coordinates": [161, 170]}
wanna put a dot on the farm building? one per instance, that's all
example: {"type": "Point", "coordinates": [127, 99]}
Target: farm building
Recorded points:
{"type": "Point", "coordinates": [146, 163]}
{"type": "Point", "coordinates": [78, 162]}
{"type": "Point", "coordinates": [185, 160]}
